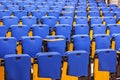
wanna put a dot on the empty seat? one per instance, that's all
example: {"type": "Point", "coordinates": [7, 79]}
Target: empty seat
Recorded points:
{"type": "Point", "coordinates": [10, 20]}
{"type": "Point", "coordinates": [56, 8]}
{"type": "Point", "coordinates": [49, 20]}
{"type": "Point", "coordinates": [102, 41]}
{"type": "Point", "coordinates": [81, 42]}
{"type": "Point", "coordinates": [107, 60]}
{"type": "Point", "coordinates": [66, 20]}
{"type": "Point", "coordinates": [64, 29]}
{"type": "Point", "coordinates": [40, 30]}
{"type": "Point", "coordinates": [66, 13]}
{"type": "Point", "coordinates": [81, 13]}
{"type": "Point", "coordinates": [108, 14]}
{"type": "Point", "coordinates": [44, 8]}
{"type": "Point", "coordinates": [3, 31]}
{"type": "Point", "coordinates": [20, 13]}
{"type": "Point", "coordinates": [78, 63]}
{"type": "Point", "coordinates": [94, 14]}
{"type": "Point", "coordinates": [54, 13]}
{"type": "Point", "coordinates": [29, 8]}
{"type": "Point", "coordinates": [110, 20]}
{"type": "Point", "coordinates": [17, 67]}
{"type": "Point", "coordinates": [95, 20]}
{"type": "Point", "coordinates": [2, 7]}
{"type": "Point", "coordinates": [55, 44]}
{"type": "Point", "coordinates": [49, 65]}
{"type": "Point", "coordinates": [38, 13]}
{"type": "Point", "coordinates": [105, 9]}
{"type": "Point", "coordinates": [19, 31]}
{"type": "Point", "coordinates": [99, 29]}
{"type": "Point", "coordinates": [117, 42]}
{"type": "Point", "coordinates": [31, 45]}
{"type": "Point", "coordinates": [81, 29]}
{"type": "Point", "coordinates": [12, 7]}
{"type": "Point", "coordinates": [7, 46]}
{"type": "Point", "coordinates": [81, 20]}
{"type": "Point", "coordinates": [29, 20]}
{"type": "Point", "coordinates": [5, 13]}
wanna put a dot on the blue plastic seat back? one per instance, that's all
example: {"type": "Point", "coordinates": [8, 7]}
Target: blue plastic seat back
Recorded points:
{"type": "Point", "coordinates": [94, 14]}
{"type": "Point", "coordinates": [29, 20]}
{"type": "Point", "coordinates": [49, 20]}
{"type": "Point", "coordinates": [2, 7]}
{"type": "Point", "coordinates": [66, 20]}
{"type": "Point", "coordinates": [68, 8]}
{"type": "Point", "coordinates": [99, 29]}
{"type": "Point", "coordinates": [3, 31]}
{"type": "Point", "coordinates": [41, 30]}
{"type": "Point", "coordinates": [81, 20]}
{"type": "Point", "coordinates": [29, 8]}
{"type": "Point", "coordinates": [81, 42]}
{"type": "Point", "coordinates": [94, 9]}
{"type": "Point", "coordinates": [114, 29]}
{"type": "Point", "coordinates": [108, 14]}
{"type": "Point", "coordinates": [117, 10]}
{"type": "Point", "coordinates": [81, 29]}
{"type": "Point", "coordinates": [81, 14]}
{"type": "Point", "coordinates": [110, 20]}
{"type": "Point", "coordinates": [64, 29]}
{"type": "Point", "coordinates": [66, 13]}
{"type": "Point", "coordinates": [95, 20]}
{"type": "Point", "coordinates": [19, 31]}
{"type": "Point", "coordinates": [31, 45]}
{"type": "Point", "coordinates": [56, 44]}
{"type": "Point", "coordinates": [10, 20]}
{"type": "Point", "coordinates": [12, 7]}
{"type": "Point", "coordinates": [20, 13]}
{"type": "Point", "coordinates": [102, 41]}
{"type": "Point", "coordinates": [49, 65]}
{"type": "Point", "coordinates": [78, 62]}
{"type": "Point", "coordinates": [81, 9]}
{"type": "Point", "coordinates": [7, 46]}
{"type": "Point", "coordinates": [17, 67]}
{"type": "Point", "coordinates": [105, 9]}
{"type": "Point", "coordinates": [54, 13]}
{"type": "Point", "coordinates": [117, 42]}
{"type": "Point", "coordinates": [5, 13]}
{"type": "Point", "coordinates": [5, 3]}
{"type": "Point", "coordinates": [38, 13]}
{"type": "Point", "coordinates": [56, 8]}
{"type": "Point", "coordinates": [44, 8]}
{"type": "Point", "coordinates": [107, 60]}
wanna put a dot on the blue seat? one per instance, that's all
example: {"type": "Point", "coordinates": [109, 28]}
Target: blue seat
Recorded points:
{"type": "Point", "coordinates": [66, 20]}
{"type": "Point", "coordinates": [40, 30]}
{"type": "Point", "coordinates": [12, 7]}
{"type": "Point", "coordinates": [114, 29]}
{"type": "Point", "coordinates": [20, 13]}
{"type": "Point", "coordinates": [108, 14]}
{"type": "Point", "coordinates": [117, 42]}
{"type": "Point", "coordinates": [53, 61]}
{"type": "Point", "coordinates": [64, 29]}
{"type": "Point", "coordinates": [81, 20]}
{"type": "Point", "coordinates": [38, 14]}
{"type": "Point", "coordinates": [81, 42]}
{"type": "Point", "coordinates": [94, 9]}
{"type": "Point", "coordinates": [68, 8]}
{"type": "Point", "coordinates": [17, 67]}
{"type": "Point", "coordinates": [10, 20]}
{"type": "Point", "coordinates": [66, 13]}
{"type": "Point", "coordinates": [94, 14]}
{"type": "Point", "coordinates": [55, 43]}
{"type": "Point", "coordinates": [99, 29]}
{"type": "Point", "coordinates": [81, 14]}
{"type": "Point", "coordinates": [78, 63]}
{"type": "Point", "coordinates": [81, 29]}
{"type": "Point", "coordinates": [102, 41]}
{"type": "Point", "coordinates": [44, 8]}
{"type": "Point", "coordinates": [49, 20]}
{"type": "Point", "coordinates": [29, 8]}
{"type": "Point", "coordinates": [107, 60]}
{"type": "Point", "coordinates": [110, 20]}
{"type": "Point", "coordinates": [56, 8]}
{"type": "Point", "coordinates": [5, 13]}
{"type": "Point", "coordinates": [2, 7]}
{"type": "Point", "coordinates": [29, 20]}
{"type": "Point", "coordinates": [31, 45]}
{"type": "Point", "coordinates": [117, 10]}
{"type": "Point", "coordinates": [79, 8]}
{"type": "Point", "coordinates": [96, 20]}
{"type": "Point", "coordinates": [54, 13]}
{"type": "Point", "coordinates": [3, 31]}
{"type": "Point", "coordinates": [19, 31]}
{"type": "Point", "coordinates": [7, 46]}
{"type": "Point", "coordinates": [105, 9]}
